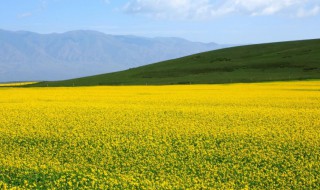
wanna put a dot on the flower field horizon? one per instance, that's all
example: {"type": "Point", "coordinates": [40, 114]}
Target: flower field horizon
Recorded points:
{"type": "Point", "coordinates": [235, 136]}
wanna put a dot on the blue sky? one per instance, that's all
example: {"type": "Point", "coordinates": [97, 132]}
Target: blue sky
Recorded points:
{"type": "Point", "coordinates": [221, 21]}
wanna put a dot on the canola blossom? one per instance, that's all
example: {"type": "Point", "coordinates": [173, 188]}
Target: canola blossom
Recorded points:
{"type": "Point", "coordinates": [16, 84]}
{"type": "Point", "coordinates": [236, 136]}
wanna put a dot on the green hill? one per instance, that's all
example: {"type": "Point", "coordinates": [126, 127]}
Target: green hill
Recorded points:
{"type": "Point", "coordinates": [294, 60]}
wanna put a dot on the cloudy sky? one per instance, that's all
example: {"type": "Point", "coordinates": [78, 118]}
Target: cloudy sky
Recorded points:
{"type": "Point", "coordinates": [221, 21]}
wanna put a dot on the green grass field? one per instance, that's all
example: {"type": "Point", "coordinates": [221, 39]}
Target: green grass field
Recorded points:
{"type": "Point", "coordinates": [296, 60]}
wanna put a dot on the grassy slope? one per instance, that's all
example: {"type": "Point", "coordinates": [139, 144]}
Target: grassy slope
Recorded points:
{"type": "Point", "coordinates": [254, 63]}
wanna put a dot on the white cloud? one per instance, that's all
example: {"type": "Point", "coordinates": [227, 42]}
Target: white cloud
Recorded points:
{"type": "Point", "coordinates": [24, 15]}
{"type": "Point", "coordinates": [204, 9]}
{"type": "Point", "coordinates": [311, 12]}
{"type": "Point", "coordinates": [168, 8]}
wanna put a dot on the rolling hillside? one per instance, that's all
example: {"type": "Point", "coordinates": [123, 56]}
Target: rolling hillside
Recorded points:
{"type": "Point", "coordinates": [294, 60]}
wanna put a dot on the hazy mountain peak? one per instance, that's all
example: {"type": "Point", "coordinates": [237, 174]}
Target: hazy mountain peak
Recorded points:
{"type": "Point", "coordinates": [27, 55]}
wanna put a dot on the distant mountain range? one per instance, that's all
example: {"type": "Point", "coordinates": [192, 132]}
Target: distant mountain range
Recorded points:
{"type": "Point", "coordinates": [26, 56]}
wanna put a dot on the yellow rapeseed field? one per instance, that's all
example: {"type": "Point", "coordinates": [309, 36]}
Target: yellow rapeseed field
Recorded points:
{"type": "Point", "coordinates": [238, 136]}
{"type": "Point", "coordinates": [16, 84]}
